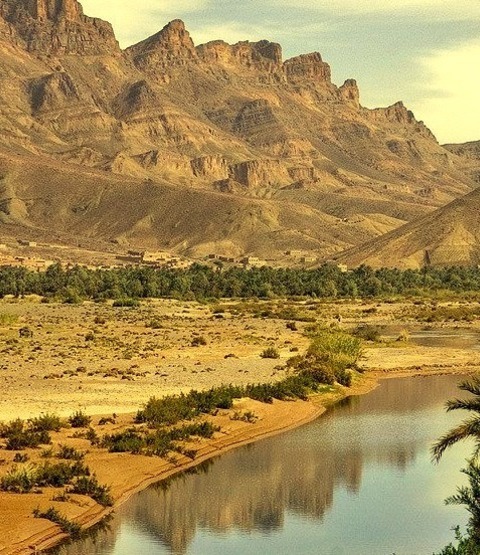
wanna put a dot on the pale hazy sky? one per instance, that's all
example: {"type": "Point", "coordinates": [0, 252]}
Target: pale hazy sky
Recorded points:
{"type": "Point", "coordinates": [424, 52]}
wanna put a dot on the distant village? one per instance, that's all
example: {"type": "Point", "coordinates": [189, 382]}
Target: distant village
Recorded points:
{"type": "Point", "coordinates": [39, 256]}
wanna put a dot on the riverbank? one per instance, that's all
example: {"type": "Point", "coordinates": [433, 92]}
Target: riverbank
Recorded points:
{"type": "Point", "coordinates": [127, 474]}
{"type": "Point", "coordinates": [104, 360]}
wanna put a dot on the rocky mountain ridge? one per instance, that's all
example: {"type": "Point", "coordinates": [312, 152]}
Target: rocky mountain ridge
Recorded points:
{"type": "Point", "coordinates": [226, 121]}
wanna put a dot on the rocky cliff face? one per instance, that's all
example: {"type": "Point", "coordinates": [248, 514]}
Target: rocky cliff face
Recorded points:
{"type": "Point", "coordinates": [218, 117]}
{"type": "Point", "coordinates": [58, 27]}
{"type": "Point", "coordinates": [172, 46]}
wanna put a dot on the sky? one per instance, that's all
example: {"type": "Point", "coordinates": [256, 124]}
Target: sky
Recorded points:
{"type": "Point", "coordinates": [423, 52]}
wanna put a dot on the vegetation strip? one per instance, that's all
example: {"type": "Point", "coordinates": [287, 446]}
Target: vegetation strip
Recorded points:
{"type": "Point", "coordinates": [126, 285]}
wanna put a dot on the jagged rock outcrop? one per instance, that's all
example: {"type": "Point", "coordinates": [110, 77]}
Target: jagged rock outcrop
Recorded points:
{"type": "Point", "coordinates": [307, 68]}
{"type": "Point", "coordinates": [264, 57]}
{"type": "Point", "coordinates": [210, 167]}
{"type": "Point", "coordinates": [170, 47]}
{"type": "Point", "coordinates": [349, 92]}
{"type": "Point", "coordinates": [59, 27]}
{"type": "Point", "coordinates": [260, 173]}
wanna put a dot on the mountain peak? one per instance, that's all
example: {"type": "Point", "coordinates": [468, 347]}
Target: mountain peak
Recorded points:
{"type": "Point", "coordinates": [170, 46]}
{"type": "Point", "coordinates": [53, 10]}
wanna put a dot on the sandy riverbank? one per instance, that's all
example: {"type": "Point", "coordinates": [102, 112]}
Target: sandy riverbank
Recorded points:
{"type": "Point", "coordinates": [127, 474]}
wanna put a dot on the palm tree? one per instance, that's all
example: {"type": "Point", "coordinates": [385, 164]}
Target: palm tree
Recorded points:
{"type": "Point", "coordinates": [470, 497]}
{"type": "Point", "coordinates": [469, 428]}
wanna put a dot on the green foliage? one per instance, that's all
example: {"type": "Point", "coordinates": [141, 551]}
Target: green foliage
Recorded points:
{"type": "Point", "coordinates": [469, 428]}
{"type": "Point", "coordinates": [126, 285]}
{"type": "Point", "coordinates": [469, 495]}
{"type": "Point", "coordinates": [24, 479]}
{"type": "Point", "coordinates": [46, 423]}
{"type": "Point", "coordinates": [466, 545]}
{"type": "Point", "coordinates": [19, 480]}
{"type": "Point", "coordinates": [20, 435]}
{"type": "Point", "coordinates": [329, 358]}
{"type": "Point", "coordinates": [159, 442]}
{"type": "Point", "coordinates": [270, 352]}
{"type": "Point", "coordinates": [67, 452]}
{"type": "Point", "coordinates": [88, 485]}
{"type": "Point", "coordinates": [79, 420]}
{"type": "Point", "coordinates": [60, 474]}
{"type": "Point", "coordinates": [67, 526]}
{"type": "Point", "coordinates": [174, 408]}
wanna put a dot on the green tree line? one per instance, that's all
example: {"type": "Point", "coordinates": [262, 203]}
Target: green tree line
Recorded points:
{"type": "Point", "coordinates": [204, 282]}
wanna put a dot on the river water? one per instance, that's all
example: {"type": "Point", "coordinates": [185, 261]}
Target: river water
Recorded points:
{"type": "Point", "coordinates": [357, 481]}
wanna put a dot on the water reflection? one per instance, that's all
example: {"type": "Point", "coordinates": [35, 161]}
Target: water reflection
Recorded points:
{"type": "Point", "coordinates": [354, 477]}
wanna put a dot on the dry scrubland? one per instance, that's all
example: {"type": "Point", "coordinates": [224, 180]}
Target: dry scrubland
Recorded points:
{"type": "Point", "coordinates": [108, 361]}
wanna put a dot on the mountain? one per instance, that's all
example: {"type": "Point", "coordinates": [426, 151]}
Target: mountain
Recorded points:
{"type": "Point", "coordinates": [468, 158]}
{"type": "Point", "coordinates": [212, 148]}
{"type": "Point", "coordinates": [447, 236]}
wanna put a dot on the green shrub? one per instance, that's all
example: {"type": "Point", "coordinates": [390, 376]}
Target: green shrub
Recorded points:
{"type": "Point", "coordinates": [46, 423]}
{"type": "Point", "coordinates": [60, 474]}
{"type": "Point", "coordinates": [67, 526]}
{"type": "Point", "coordinates": [79, 420]}
{"type": "Point", "coordinates": [70, 453]}
{"type": "Point", "coordinates": [329, 358]}
{"type": "Point", "coordinates": [88, 485]}
{"type": "Point", "coordinates": [19, 436]}
{"type": "Point", "coordinates": [19, 480]}
{"type": "Point", "coordinates": [270, 352]}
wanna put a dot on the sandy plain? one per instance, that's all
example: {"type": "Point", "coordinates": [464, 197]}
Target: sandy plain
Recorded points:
{"type": "Point", "coordinates": [105, 360]}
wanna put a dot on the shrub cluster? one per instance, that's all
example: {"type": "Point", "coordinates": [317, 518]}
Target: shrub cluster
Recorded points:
{"type": "Point", "coordinates": [174, 408]}
{"type": "Point", "coordinates": [79, 420]}
{"type": "Point", "coordinates": [88, 485]}
{"type": "Point", "coordinates": [159, 442]}
{"type": "Point", "coordinates": [25, 479]}
{"type": "Point", "coordinates": [71, 528]}
{"type": "Point", "coordinates": [329, 358]}
{"type": "Point", "coordinates": [20, 435]}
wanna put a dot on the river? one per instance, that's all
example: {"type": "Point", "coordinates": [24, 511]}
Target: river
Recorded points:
{"type": "Point", "coordinates": [358, 480]}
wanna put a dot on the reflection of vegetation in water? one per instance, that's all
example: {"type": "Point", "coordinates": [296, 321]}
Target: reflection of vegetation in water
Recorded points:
{"type": "Point", "coordinates": [99, 535]}
{"type": "Point", "coordinates": [254, 487]}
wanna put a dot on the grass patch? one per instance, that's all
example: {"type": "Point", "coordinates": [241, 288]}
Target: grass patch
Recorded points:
{"type": "Point", "coordinates": [88, 485]}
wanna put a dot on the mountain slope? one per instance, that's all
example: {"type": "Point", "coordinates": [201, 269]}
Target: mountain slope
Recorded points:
{"type": "Point", "coordinates": [217, 125]}
{"type": "Point", "coordinates": [447, 236]}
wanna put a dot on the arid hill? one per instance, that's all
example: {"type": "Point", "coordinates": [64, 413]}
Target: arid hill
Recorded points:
{"type": "Point", "coordinates": [447, 236]}
{"type": "Point", "coordinates": [211, 148]}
